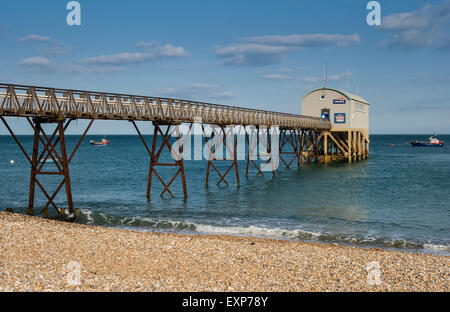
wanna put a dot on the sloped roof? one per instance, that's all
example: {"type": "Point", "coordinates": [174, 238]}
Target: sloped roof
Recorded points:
{"type": "Point", "coordinates": [348, 95]}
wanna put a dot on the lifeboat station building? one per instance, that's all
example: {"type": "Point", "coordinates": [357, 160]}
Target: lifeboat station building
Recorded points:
{"type": "Point", "coordinates": [349, 116]}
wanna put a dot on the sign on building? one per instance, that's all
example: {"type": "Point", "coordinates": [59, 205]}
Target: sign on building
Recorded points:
{"type": "Point", "coordinates": [339, 118]}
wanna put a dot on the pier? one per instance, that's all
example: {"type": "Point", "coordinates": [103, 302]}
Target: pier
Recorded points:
{"type": "Point", "coordinates": [301, 138]}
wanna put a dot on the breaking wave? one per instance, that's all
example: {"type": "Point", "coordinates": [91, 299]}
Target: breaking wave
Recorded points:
{"type": "Point", "coordinates": [89, 217]}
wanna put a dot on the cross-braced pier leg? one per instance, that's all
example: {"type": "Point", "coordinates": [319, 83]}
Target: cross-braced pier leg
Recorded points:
{"type": "Point", "coordinates": [223, 139]}
{"type": "Point", "coordinates": [298, 138]}
{"type": "Point", "coordinates": [302, 139]}
{"type": "Point", "coordinates": [343, 145]}
{"type": "Point", "coordinates": [289, 136]}
{"type": "Point", "coordinates": [309, 145]}
{"type": "Point", "coordinates": [265, 151]}
{"type": "Point", "coordinates": [60, 159]}
{"type": "Point", "coordinates": [252, 144]}
{"type": "Point", "coordinates": [155, 154]}
{"type": "Point", "coordinates": [316, 140]}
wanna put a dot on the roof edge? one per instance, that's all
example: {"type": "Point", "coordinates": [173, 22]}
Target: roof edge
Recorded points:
{"type": "Point", "coordinates": [346, 94]}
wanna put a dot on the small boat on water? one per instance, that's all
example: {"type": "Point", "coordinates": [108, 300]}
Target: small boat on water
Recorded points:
{"type": "Point", "coordinates": [104, 141]}
{"type": "Point", "coordinates": [433, 141]}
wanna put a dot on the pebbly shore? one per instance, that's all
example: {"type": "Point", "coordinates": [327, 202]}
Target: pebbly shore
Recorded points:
{"type": "Point", "coordinates": [38, 254]}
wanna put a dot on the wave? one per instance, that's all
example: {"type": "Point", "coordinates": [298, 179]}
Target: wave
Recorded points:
{"type": "Point", "coordinates": [437, 248]}
{"type": "Point", "coordinates": [89, 217]}
{"type": "Point", "coordinates": [149, 224]}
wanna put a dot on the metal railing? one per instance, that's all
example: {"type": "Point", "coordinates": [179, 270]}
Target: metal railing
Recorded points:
{"type": "Point", "coordinates": [21, 101]}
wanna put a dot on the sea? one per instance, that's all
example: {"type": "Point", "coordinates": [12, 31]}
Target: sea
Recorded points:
{"type": "Point", "coordinates": [397, 199]}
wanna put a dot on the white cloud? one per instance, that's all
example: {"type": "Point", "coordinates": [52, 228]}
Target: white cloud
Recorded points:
{"type": "Point", "coordinates": [81, 69]}
{"type": "Point", "coordinates": [34, 38]}
{"type": "Point", "coordinates": [340, 76]}
{"type": "Point", "coordinates": [267, 50]}
{"type": "Point", "coordinates": [44, 65]}
{"type": "Point", "coordinates": [311, 80]}
{"type": "Point", "coordinates": [307, 40]}
{"type": "Point", "coordinates": [427, 27]}
{"type": "Point", "coordinates": [304, 68]}
{"type": "Point", "coordinates": [335, 77]}
{"type": "Point", "coordinates": [252, 54]}
{"type": "Point", "coordinates": [101, 64]}
{"type": "Point", "coordinates": [155, 52]}
{"type": "Point", "coordinates": [46, 45]}
{"type": "Point", "coordinates": [57, 49]}
{"type": "Point", "coordinates": [285, 70]}
{"type": "Point", "coordinates": [251, 48]}
{"type": "Point", "coordinates": [199, 92]}
{"type": "Point", "coordinates": [277, 77]}
{"type": "Point", "coordinates": [145, 44]}
{"type": "Point", "coordinates": [35, 60]}
{"type": "Point", "coordinates": [38, 64]}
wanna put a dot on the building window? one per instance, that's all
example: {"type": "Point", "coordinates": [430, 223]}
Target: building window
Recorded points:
{"type": "Point", "coordinates": [360, 107]}
{"type": "Point", "coordinates": [322, 97]}
{"type": "Point", "coordinates": [325, 114]}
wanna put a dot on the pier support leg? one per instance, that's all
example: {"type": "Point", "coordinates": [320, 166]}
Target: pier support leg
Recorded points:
{"type": "Point", "coordinates": [302, 146]}
{"type": "Point", "coordinates": [34, 164]}
{"type": "Point", "coordinates": [172, 131]}
{"type": "Point", "coordinates": [222, 139]}
{"type": "Point", "coordinates": [349, 144]}
{"type": "Point", "coordinates": [264, 145]}
{"type": "Point", "coordinates": [359, 146]}
{"type": "Point", "coordinates": [252, 148]}
{"type": "Point", "coordinates": [316, 138]}
{"type": "Point", "coordinates": [61, 160]}
{"type": "Point", "coordinates": [288, 136]}
{"type": "Point", "coordinates": [368, 147]}
{"type": "Point", "coordinates": [364, 146]}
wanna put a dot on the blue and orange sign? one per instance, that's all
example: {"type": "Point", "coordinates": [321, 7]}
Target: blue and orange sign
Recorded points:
{"type": "Point", "coordinates": [340, 100]}
{"type": "Point", "coordinates": [339, 118]}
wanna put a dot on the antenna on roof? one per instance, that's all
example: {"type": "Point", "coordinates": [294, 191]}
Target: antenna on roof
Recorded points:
{"type": "Point", "coordinates": [325, 75]}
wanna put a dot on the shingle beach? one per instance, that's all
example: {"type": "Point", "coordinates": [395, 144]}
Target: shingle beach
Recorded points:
{"type": "Point", "coordinates": [44, 255]}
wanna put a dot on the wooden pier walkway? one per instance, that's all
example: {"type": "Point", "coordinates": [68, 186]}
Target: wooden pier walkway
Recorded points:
{"type": "Point", "coordinates": [22, 101]}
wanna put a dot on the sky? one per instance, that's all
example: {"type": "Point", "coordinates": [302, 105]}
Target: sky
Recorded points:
{"type": "Point", "coordinates": [256, 54]}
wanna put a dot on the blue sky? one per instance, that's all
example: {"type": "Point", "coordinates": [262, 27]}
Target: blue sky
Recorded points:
{"type": "Point", "coordinates": [259, 54]}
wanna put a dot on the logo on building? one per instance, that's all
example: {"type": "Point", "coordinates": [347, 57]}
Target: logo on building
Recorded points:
{"type": "Point", "coordinates": [340, 100]}
{"type": "Point", "coordinates": [339, 118]}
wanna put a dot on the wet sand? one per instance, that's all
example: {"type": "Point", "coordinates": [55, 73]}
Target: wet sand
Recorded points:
{"type": "Point", "coordinates": [44, 255]}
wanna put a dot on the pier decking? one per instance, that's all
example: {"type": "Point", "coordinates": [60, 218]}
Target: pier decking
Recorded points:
{"type": "Point", "coordinates": [23, 101]}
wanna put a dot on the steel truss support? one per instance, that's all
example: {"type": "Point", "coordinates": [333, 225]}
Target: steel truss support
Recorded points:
{"type": "Point", "coordinates": [231, 151]}
{"type": "Point", "coordinates": [290, 136]}
{"type": "Point", "coordinates": [252, 154]}
{"type": "Point", "coordinates": [60, 159]}
{"type": "Point", "coordinates": [309, 145]}
{"type": "Point", "coordinates": [173, 130]}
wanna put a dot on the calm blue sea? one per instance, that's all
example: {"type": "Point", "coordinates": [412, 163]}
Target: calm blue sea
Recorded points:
{"type": "Point", "coordinates": [398, 199]}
